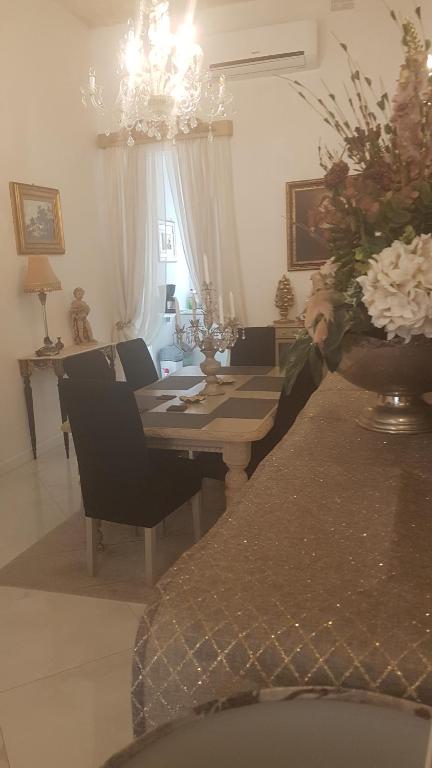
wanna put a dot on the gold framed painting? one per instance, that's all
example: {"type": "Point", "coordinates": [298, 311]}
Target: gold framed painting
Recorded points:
{"type": "Point", "coordinates": [37, 219]}
{"type": "Point", "coordinates": [305, 250]}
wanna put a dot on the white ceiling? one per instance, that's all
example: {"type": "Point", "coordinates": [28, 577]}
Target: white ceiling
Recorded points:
{"type": "Point", "coordinates": [98, 13]}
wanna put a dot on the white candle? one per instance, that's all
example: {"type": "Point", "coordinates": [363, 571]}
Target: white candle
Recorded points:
{"type": "Point", "coordinates": [232, 305]}
{"type": "Point", "coordinates": [206, 270]}
{"type": "Point", "coordinates": [221, 310]}
{"type": "Point", "coordinates": [178, 318]}
{"type": "Point", "coordinates": [194, 307]}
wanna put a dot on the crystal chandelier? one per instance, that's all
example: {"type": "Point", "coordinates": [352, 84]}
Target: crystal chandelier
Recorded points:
{"type": "Point", "coordinates": [163, 89]}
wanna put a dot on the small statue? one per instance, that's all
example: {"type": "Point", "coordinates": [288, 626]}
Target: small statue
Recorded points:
{"type": "Point", "coordinates": [81, 328]}
{"type": "Point", "coordinates": [284, 299]}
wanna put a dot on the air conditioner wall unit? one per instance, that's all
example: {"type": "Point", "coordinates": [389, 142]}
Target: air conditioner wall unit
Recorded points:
{"type": "Point", "coordinates": [264, 51]}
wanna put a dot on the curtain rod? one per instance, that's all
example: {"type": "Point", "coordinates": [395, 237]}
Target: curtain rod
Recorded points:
{"type": "Point", "coordinates": [219, 128]}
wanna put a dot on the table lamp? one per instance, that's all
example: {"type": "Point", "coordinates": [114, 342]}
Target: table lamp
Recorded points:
{"type": "Point", "coordinates": [41, 279]}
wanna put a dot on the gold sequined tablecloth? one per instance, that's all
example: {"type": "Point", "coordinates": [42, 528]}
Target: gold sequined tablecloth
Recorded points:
{"type": "Point", "coordinates": [320, 575]}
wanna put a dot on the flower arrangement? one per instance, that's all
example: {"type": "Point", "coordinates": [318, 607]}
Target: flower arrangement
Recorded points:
{"type": "Point", "coordinates": [376, 215]}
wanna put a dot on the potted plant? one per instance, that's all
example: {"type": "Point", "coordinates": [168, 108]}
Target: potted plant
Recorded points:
{"type": "Point", "coordinates": [370, 313]}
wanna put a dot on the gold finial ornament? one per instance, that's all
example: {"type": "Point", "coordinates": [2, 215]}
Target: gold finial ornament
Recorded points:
{"type": "Point", "coordinates": [284, 300]}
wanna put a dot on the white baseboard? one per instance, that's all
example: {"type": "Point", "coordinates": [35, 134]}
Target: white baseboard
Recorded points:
{"type": "Point", "coordinates": [23, 458]}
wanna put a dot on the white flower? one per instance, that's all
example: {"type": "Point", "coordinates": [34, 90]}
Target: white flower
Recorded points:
{"type": "Point", "coordinates": [397, 290]}
{"type": "Point", "coordinates": [329, 269]}
{"type": "Point", "coordinates": [325, 277]}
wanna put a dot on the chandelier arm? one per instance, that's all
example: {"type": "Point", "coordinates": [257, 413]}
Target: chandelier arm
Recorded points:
{"type": "Point", "coordinates": [163, 88]}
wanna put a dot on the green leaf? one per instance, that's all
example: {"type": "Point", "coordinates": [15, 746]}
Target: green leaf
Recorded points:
{"type": "Point", "coordinates": [332, 347]}
{"type": "Point", "coordinates": [333, 359]}
{"type": "Point", "coordinates": [426, 193]}
{"type": "Point", "coordinates": [316, 365]}
{"type": "Point", "coordinates": [359, 254]}
{"type": "Point", "coordinates": [295, 359]}
{"type": "Point", "coordinates": [408, 235]}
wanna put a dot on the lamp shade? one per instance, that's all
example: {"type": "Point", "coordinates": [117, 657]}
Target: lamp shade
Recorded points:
{"type": "Point", "coordinates": [40, 276]}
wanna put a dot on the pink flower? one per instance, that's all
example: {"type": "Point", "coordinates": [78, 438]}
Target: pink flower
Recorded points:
{"type": "Point", "coordinates": [412, 92]}
{"type": "Point", "coordinates": [319, 312]}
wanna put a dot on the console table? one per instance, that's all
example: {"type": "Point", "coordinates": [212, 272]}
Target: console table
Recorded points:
{"type": "Point", "coordinates": [319, 575]}
{"type": "Point", "coordinates": [285, 333]}
{"type": "Point", "coordinates": [55, 364]}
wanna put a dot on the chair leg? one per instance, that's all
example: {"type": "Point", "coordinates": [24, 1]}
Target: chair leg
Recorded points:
{"type": "Point", "coordinates": [197, 515]}
{"type": "Point", "coordinates": [91, 544]}
{"type": "Point", "coordinates": [150, 555]}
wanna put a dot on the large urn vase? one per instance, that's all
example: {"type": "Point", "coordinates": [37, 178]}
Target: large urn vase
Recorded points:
{"type": "Point", "coordinates": [400, 373]}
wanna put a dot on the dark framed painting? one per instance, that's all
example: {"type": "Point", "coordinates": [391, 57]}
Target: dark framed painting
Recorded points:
{"type": "Point", "coordinates": [305, 250]}
{"type": "Point", "coordinates": [37, 219]}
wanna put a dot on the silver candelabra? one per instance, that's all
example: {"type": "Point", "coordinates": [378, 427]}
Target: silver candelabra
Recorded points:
{"type": "Point", "coordinates": [211, 335]}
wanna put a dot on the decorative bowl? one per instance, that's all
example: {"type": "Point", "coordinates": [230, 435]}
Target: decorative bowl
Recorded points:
{"type": "Point", "coordinates": [400, 373]}
{"type": "Point", "coordinates": [287, 727]}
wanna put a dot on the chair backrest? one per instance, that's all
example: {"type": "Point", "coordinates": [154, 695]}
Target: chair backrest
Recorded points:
{"type": "Point", "coordinates": [138, 366]}
{"type": "Point", "coordinates": [110, 447]}
{"type": "Point", "coordinates": [291, 405]}
{"type": "Point", "coordinates": [257, 348]}
{"type": "Point", "coordinates": [88, 365]}
{"type": "Point", "coordinates": [289, 408]}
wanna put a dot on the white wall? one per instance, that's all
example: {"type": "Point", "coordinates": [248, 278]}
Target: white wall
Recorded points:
{"type": "Point", "coordinates": [275, 134]}
{"type": "Point", "coordinates": [47, 138]}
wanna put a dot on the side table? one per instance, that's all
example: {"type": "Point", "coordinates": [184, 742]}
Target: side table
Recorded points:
{"type": "Point", "coordinates": [285, 333]}
{"type": "Point", "coordinates": [28, 364]}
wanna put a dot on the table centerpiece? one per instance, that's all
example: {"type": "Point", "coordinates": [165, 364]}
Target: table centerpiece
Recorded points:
{"type": "Point", "coordinates": [370, 313]}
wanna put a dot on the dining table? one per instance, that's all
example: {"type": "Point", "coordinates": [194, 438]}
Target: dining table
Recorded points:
{"type": "Point", "coordinates": [228, 423]}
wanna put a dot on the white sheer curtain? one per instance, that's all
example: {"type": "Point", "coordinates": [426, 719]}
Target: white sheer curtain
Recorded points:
{"type": "Point", "coordinates": [135, 192]}
{"type": "Point", "coordinates": [200, 176]}
{"type": "Point", "coordinates": [200, 172]}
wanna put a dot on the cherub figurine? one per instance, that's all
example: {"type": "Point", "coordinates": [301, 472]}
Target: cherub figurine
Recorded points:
{"type": "Point", "coordinates": [81, 328]}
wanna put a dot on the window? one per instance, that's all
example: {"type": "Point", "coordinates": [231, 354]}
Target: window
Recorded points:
{"type": "Point", "coordinates": [171, 249]}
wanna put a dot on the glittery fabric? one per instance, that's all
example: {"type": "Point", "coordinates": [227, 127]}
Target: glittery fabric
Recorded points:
{"type": "Point", "coordinates": [320, 575]}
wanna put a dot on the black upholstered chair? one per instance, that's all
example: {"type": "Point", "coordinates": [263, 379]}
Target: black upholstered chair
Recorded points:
{"type": "Point", "coordinates": [257, 348]}
{"type": "Point", "coordinates": [121, 480]}
{"type": "Point", "coordinates": [138, 366]}
{"type": "Point", "coordinates": [88, 365]}
{"type": "Point", "coordinates": [211, 464]}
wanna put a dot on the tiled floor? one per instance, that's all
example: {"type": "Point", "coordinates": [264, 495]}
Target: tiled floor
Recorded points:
{"type": "Point", "coordinates": [65, 661]}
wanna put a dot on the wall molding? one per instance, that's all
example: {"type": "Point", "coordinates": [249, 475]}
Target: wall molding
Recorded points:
{"type": "Point", "coordinates": [219, 128]}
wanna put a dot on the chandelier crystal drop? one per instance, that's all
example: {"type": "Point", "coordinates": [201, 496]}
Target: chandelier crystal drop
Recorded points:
{"type": "Point", "coordinates": [164, 88]}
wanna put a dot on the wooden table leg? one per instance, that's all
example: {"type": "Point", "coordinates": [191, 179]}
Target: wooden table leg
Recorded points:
{"type": "Point", "coordinates": [63, 412]}
{"type": "Point", "coordinates": [237, 457]}
{"type": "Point", "coordinates": [28, 394]}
